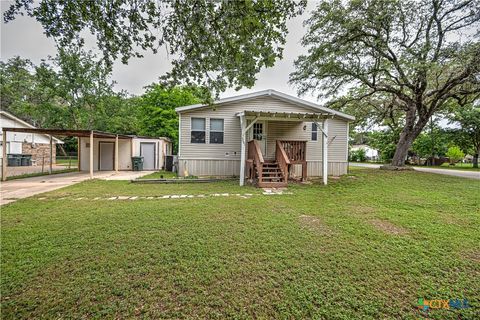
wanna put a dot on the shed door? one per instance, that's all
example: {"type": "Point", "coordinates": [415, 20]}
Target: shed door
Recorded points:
{"type": "Point", "coordinates": [106, 156]}
{"type": "Point", "coordinates": [147, 151]}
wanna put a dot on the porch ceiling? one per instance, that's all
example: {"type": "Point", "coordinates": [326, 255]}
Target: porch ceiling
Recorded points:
{"type": "Point", "coordinates": [293, 116]}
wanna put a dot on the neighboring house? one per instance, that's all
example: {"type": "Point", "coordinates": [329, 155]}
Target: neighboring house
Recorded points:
{"type": "Point", "coordinates": [370, 153]}
{"type": "Point", "coordinates": [266, 136]}
{"type": "Point", "coordinates": [37, 145]}
{"type": "Point", "coordinates": [153, 151]}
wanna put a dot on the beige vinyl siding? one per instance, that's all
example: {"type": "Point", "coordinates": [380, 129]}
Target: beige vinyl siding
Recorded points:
{"type": "Point", "coordinates": [231, 138]}
{"type": "Point", "coordinates": [206, 155]}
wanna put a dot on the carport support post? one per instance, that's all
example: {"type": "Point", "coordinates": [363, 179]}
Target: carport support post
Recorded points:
{"type": "Point", "coordinates": [4, 156]}
{"type": "Point", "coordinates": [91, 155]}
{"type": "Point", "coordinates": [325, 152]}
{"type": "Point", "coordinates": [116, 153]}
{"type": "Point", "coordinates": [50, 168]}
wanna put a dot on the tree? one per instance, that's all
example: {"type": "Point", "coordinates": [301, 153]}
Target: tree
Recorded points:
{"type": "Point", "coordinates": [213, 43]}
{"type": "Point", "coordinates": [455, 154]}
{"type": "Point", "coordinates": [158, 117]}
{"type": "Point", "coordinates": [468, 135]}
{"type": "Point", "coordinates": [384, 141]}
{"type": "Point", "coordinates": [408, 55]}
{"type": "Point", "coordinates": [71, 90]}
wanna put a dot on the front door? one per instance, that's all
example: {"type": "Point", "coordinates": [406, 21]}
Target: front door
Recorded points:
{"type": "Point", "coordinates": [147, 151]}
{"type": "Point", "coordinates": [106, 154]}
{"type": "Point", "coordinates": [259, 133]}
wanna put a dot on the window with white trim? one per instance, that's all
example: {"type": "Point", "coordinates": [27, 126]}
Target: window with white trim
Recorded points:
{"type": "Point", "coordinates": [197, 130]}
{"type": "Point", "coordinates": [216, 131]}
{"type": "Point", "coordinates": [314, 131]}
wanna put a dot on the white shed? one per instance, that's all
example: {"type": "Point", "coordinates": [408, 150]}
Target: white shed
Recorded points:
{"type": "Point", "coordinates": [153, 151]}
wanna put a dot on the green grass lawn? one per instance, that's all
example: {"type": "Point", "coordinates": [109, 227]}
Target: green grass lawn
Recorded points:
{"type": "Point", "coordinates": [67, 162]}
{"type": "Point", "coordinates": [363, 247]}
{"type": "Point", "coordinates": [160, 175]}
{"type": "Point", "coordinates": [39, 174]}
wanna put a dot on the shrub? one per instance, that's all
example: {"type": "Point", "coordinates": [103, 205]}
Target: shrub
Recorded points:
{"type": "Point", "coordinates": [455, 154]}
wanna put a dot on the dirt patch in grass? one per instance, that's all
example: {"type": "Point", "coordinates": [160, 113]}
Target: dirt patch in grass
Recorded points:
{"type": "Point", "coordinates": [472, 255]}
{"type": "Point", "coordinates": [362, 210]}
{"type": "Point", "coordinates": [388, 227]}
{"type": "Point", "coordinates": [314, 224]}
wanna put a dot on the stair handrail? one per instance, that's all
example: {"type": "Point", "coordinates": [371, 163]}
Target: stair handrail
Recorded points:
{"type": "Point", "coordinates": [282, 160]}
{"type": "Point", "coordinates": [255, 153]}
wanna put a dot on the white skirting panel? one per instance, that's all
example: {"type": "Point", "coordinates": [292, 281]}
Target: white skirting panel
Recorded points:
{"type": "Point", "coordinates": [314, 169]}
{"type": "Point", "coordinates": [228, 168]}
{"type": "Point", "coordinates": [202, 167]}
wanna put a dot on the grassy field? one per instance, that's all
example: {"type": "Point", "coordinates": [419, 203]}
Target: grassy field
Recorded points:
{"type": "Point", "coordinates": [367, 246]}
{"type": "Point", "coordinates": [160, 175]}
{"type": "Point", "coordinates": [39, 174]}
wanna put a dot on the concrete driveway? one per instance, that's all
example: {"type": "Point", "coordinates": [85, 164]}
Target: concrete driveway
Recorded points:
{"type": "Point", "coordinates": [13, 190]}
{"type": "Point", "coordinates": [448, 172]}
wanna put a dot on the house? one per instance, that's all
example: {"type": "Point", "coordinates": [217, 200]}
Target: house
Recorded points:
{"type": "Point", "coordinates": [370, 153]}
{"type": "Point", "coordinates": [153, 151]}
{"type": "Point", "coordinates": [266, 136]}
{"type": "Point", "coordinates": [36, 145]}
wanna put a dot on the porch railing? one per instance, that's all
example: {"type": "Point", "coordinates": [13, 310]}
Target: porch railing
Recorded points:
{"type": "Point", "coordinates": [255, 154]}
{"type": "Point", "coordinates": [296, 150]}
{"type": "Point", "coordinates": [282, 160]}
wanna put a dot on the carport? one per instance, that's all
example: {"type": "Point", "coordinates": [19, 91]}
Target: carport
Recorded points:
{"type": "Point", "coordinates": [91, 134]}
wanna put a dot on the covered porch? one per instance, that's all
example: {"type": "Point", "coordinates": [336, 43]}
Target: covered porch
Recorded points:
{"type": "Point", "coordinates": [273, 143]}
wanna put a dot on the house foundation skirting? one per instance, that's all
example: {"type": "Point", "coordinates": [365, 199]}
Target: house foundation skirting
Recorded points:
{"type": "Point", "coordinates": [228, 168]}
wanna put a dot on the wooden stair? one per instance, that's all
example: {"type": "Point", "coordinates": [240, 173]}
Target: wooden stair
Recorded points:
{"type": "Point", "coordinates": [271, 176]}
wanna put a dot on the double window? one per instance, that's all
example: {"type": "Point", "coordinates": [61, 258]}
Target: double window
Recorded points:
{"type": "Point", "coordinates": [216, 131]}
{"type": "Point", "coordinates": [198, 130]}
{"type": "Point", "coordinates": [314, 131]}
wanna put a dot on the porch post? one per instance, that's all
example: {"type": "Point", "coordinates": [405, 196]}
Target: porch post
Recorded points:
{"type": "Point", "coordinates": [116, 153]}
{"type": "Point", "coordinates": [4, 156]}
{"type": "Point", "coordinates": [79, 155]}
{"type": "Point", "coordinates": [50, 168]}
{"type": "Point", "coordinates": [91, 154]}
{"type": "Point", "coordinates": [242, 150]}
{"type": "Point", "coordinates": [325, 152]}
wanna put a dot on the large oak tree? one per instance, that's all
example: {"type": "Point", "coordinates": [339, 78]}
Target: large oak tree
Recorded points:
{"type": "Point", "coordinates": [414, 56]}
{"type": "Point", "coordinates": [217, 44]}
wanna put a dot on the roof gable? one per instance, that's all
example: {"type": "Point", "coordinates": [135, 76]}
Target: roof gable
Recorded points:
{"type": "Point", "coordinates": [23, 123]}
{"type": "Point", "coordinates": [273, 94]}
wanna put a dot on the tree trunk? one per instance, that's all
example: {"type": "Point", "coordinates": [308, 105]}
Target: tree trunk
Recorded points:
{"type": "Point", "coordinates": [475, 158]}
{"type": "Point", "coordinates": [401, 151]}
{"type": "Point", "coordinates": [408, 135]}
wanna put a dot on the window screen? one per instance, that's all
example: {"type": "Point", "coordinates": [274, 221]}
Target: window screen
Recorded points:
{"type": "Point", "coordinates": [216, 131]}
{"type": "Point", "coordinates": [198, 130]}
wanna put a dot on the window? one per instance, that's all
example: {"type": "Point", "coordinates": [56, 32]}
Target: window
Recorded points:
{"type": "Point", "coordinates": [216, 131]}
{"type": "Point", "coordinates": [258, 131]}
{"type": "Point", "coordinates": [314, 132]}
{"type": "Point", "coordinates": [197, 130]}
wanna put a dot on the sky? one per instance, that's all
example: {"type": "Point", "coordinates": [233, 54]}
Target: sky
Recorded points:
{"type": "Point", "coordinates": [24, 37]}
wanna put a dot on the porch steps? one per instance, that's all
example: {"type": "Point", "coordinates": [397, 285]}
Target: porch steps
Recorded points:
{"type": "Point", "coordinates": [271, 176]}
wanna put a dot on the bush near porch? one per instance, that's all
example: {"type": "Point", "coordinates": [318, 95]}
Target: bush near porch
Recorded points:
{"type": "Point", "coordinates": [366, 246]}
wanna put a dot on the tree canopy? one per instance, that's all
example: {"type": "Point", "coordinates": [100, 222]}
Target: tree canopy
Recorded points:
{"type": "Point", "coordinates": [396, 57]}
{"type": "Point", "coordinates": [71, 90]}
{"type": "Point", "coordinates": [157, 105]}
{"type": "Point", "coordinates": [216, 44]}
